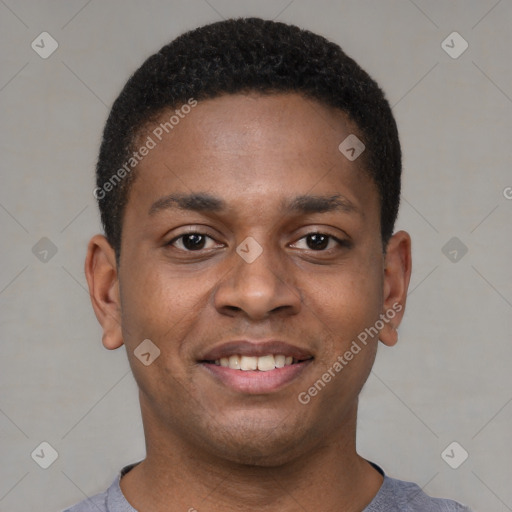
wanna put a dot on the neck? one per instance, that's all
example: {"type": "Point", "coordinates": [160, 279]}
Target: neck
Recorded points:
{"type": "Point", "coordinates": [329, 476]}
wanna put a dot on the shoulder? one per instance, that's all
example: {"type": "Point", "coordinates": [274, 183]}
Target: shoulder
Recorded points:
{"type": "Point", "coordinates": [398, 495]}
{"type": "Point", "coordinates": [112, 500]}
{"type": "Point", "coordinates": [96, 503]}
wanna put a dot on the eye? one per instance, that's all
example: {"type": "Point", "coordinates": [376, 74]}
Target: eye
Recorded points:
{"type": "Point", "coordinates": [319, 242]}
{"type": "Point", "coordinates": [193, 242]}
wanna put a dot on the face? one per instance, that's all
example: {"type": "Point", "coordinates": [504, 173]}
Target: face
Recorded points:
{"type": "Point", "coordinates": [249, 240]}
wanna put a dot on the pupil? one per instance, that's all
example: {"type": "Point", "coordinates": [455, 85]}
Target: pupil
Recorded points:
{"type": "Point", "coordinates": [317, 241]}
{"type": "Point", "coordinates": [193, 241]}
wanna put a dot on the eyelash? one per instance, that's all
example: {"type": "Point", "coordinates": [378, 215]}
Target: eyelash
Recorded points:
{"type": "Point", "coordinates": [341, 243]}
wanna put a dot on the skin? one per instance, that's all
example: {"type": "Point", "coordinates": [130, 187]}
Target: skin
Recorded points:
{"type": "Point", "coordinates": [210, 447]}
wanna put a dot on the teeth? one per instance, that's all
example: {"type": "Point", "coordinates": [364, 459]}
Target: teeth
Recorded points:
{"type": "Point", "coordinates": [266, 363]}
{"type": "Point", "coordinates": [263, 363]}
{"type": "Point", "coordinates": [280, 361]}
{"type": "Point", "coordinates": [248, 363]}
{"type": "Point", "coordinates": [234, 362]}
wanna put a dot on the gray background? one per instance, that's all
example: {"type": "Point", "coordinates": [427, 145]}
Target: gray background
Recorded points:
{"type": "Point", "coordinates": [449, 377]}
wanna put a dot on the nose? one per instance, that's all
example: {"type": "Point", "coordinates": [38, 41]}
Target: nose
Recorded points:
{"type": "Point", "coordinates": [259, 288]}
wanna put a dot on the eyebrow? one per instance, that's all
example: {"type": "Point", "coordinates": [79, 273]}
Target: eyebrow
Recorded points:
{"type": "Point", "coordinates": [203, 202]}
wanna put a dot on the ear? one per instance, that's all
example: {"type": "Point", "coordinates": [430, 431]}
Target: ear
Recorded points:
{"type": "Point", "coordinates": [102, 278]}
{"type": "Point", "coordinates": [397, 274]}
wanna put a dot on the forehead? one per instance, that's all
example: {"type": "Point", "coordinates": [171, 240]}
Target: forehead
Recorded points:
{"type": "Point", "coordinates": [248, 147]}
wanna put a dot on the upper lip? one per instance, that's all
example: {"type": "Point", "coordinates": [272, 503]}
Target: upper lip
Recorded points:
{"type": "Point", "coordinates": [255, 349]}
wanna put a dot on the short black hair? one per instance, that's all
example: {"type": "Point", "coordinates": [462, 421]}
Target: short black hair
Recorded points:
{"type": "Point", "coordinates": [240, 56]}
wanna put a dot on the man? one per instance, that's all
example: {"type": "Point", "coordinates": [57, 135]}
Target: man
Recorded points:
{"type": "Point", "coordinates": [248, 182]}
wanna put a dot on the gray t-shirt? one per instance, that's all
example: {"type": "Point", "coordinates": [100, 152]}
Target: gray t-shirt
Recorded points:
{"type": "Point", "coordinates": [393, 496]}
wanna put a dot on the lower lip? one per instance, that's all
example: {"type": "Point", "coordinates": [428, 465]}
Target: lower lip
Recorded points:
{"type": "Point", "coordinates": [256, 382]}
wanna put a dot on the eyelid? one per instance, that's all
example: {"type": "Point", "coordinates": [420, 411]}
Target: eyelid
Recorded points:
{"type": "Point", "coordinates": [193, 229]}
{"type": "Point", "coordinates": [181, 235]}
{"type": "Point", "coordinates": [339, 241]}
{"type": "Point", "coordinates": [204, 231]}
{"type": "Point", "coordinates": [331, 231]}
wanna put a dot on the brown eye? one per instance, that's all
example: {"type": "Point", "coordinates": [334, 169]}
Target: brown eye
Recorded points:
{"type": "Point", "coordinates": [317, 241]}
{"type": "Point", "coordinates": [194, 241]}
{"type": "Point", "coordinates": [191, 241]}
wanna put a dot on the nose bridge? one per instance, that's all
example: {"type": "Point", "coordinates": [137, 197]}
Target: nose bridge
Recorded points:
{"type": "Point", "coordinates": [258, 282]}
{"type": "Point", "coordinates": [255, 271]}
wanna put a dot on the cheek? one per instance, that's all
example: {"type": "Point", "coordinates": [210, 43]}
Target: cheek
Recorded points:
{"type": "Point", "coordinates": [347, 313]}
{"type": "Point", "coordinates": [159, 305]}
{"type": "Point", "coordinates": [165, 310]}
{"type": "Point", "coordinates": [348, 301]}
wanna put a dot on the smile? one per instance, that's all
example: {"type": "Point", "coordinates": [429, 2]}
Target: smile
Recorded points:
{"type": "Point", "coordinates": [256, 375]}
{"type": "Point", "coordinates": [255, 367]}
{"type": "Point", "coordinates": [264, 363]}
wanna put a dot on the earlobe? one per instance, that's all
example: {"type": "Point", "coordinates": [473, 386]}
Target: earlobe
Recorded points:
{"type": "Point", "coordinates": [102, 278]}
{"type": "Point", "coordinates": [397, 274]}
{"type": "Point", "coordinates": [389, 335]}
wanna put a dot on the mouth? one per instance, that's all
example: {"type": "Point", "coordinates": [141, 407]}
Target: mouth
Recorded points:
{"type": "Point", "coordinates": [256, 368]}
{"type": "Point", "coordinates": [263, 363]}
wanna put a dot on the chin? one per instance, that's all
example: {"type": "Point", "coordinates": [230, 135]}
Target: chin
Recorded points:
{"type": "Point", "coordinates": [258, 455]}
{"type": "Point", "coordinates": [259, 444]}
